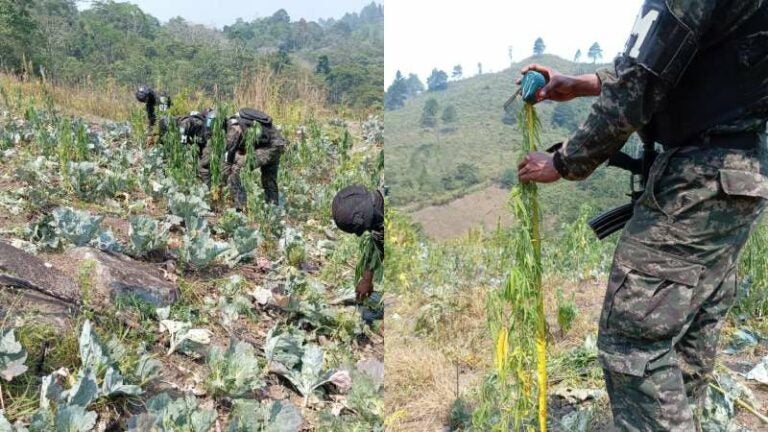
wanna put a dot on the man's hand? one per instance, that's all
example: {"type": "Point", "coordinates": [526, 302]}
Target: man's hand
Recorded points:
{"type": "Point", "coordinates": [537, 167]}
{"type": "Point", "coordinates": [563, 88]}
{"type": "Point", "coordinates": [365, 286]}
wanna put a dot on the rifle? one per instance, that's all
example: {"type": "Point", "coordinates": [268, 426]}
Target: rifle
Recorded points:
{"type": "Point", "coordinates": [611, 221]}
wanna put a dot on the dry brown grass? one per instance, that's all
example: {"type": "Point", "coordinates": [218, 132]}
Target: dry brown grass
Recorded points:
{"type": "Point", "coordinates": [107, 100]}
{"type": "Point", "coordinates": [421, 371]}
{"type": "Point", "coordinates": [288, 99]}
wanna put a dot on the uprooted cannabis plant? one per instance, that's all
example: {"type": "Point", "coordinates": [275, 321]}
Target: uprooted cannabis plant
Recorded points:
{"type": "Point", "coordinates": [516, 315]}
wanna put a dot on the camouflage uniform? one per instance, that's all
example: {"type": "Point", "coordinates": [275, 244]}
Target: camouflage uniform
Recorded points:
{"type": "Point", "coordinates": [267, 158]}
{"type": "Point", "coordinates": [673, 275]}
{"type": "Point", "coordinates": [152, 99]}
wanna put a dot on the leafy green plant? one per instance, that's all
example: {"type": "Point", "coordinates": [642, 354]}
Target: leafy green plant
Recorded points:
{"type": "Point", "coordinates": [12, 355]}
{"type": "Point", "coordinates": [76, 227]}
{"type": "Point", "coordinates": [172, 415]}
{"type": "Point", "coordinates": [63, 409]}
{"type": "Point", "coordinates": [231, 221]}
{"type": "Point", "coordinates": [147, 234]}
{"type": "Point", "coordinates": [292, 243]}
{"type": "Point", "coordinates": [312, 374]}
{"type": "Point", "coordinates": [235, 372]}
{"type": "Point", "coordinates": [182, 332]}
{"type": "Point", "coordinates": [218, 145]}
{"type": "Point", "coordinates": [373, 131]}
{"type": "Point", "coordinates": [147, 369]}
{"type": "Point", "coordinates": [199, 250]}
{"type": "Point", "coordinates": [74, 418]}
{"type": "Point", "coordinates": [232, 302]}
{"type": "Point", "coordinates": [364, 399]}
{"type": "Point", "coordinates": [243, 245]}
{"type": "Point", "coordinates": [566, 312]}
{"type": "Point", "coordinates": [370, 259]}
{"type": "Point", "coordinates": [191, 208]}
{"type": "Point", "coordinates": [460, 416]}
{"type": "Point", "coordinates": [107, 242]}
{"type": "Point", "coordinates": [275, 416]}
{"type": "Point", "coordinates": [84, 179]}
{"type": "Point", "coordinates": [752, 299]}
{"type": "Point", "coordinates": [283, 348]}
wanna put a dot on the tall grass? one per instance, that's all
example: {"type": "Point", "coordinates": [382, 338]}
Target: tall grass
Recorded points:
{"type": "Point", "coordinates": [753, 276]}
{"type": "Point", "coordinates": [288, 100]}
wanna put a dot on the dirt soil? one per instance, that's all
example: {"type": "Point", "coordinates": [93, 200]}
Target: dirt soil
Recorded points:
{"type": "Point", "coordinates": [485, 208]}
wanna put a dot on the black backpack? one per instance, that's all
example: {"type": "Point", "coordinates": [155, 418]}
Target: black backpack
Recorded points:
{"type": "Point", "coordinates": [248, 116]}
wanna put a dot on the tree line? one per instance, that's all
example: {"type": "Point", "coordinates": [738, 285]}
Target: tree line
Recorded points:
{"type": "Point", "coordinates": [119, 42]}
{"type": "Point", "coordinates": [403, 88]}
{"type": "Point", "coordinates": [595, 52]}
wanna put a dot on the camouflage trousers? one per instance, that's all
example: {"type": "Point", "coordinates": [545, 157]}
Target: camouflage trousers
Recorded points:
{"type": "Point", "coordinates": [673, 281]}
{"type": "Point", "coordinates": [267, 160]}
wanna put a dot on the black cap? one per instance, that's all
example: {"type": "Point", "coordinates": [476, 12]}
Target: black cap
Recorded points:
{"type": "Point", "coordinates": [353, 209]}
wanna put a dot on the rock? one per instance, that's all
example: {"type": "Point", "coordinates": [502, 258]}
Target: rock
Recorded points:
{"type": "Point", "coordinates": [742, 339]}
{"type": "Point", "coordinates": [44, 290]}
{"type": "Point", "coordinates": [760, 372]}
{"type": "Point", "coordinates": [115, 275]}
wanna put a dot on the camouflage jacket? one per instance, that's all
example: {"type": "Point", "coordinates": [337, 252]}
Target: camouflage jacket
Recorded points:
{"type": "Point", "coordinates": [631, 94]}
{"type": "Point", "coordinates": [269, 143]}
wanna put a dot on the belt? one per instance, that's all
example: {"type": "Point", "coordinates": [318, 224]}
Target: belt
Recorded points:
{"type": "Point", "coordinates": [737, 141]}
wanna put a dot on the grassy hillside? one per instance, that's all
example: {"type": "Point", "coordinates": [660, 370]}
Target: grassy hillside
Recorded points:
{"type": "Point", "coordinates": [422, 163]}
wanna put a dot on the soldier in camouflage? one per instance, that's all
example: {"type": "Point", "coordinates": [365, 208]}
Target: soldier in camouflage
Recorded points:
{"type": "Point", "coordinates": [694, 78]}
{"type": "Point", "coordinates": [268, 146]}
{"type": "Point", "coordinates": [151, 100]}
{"type": "Point", "coordinates": [356, 210]}
{"type": "Point", "coordinates": [194, 128]}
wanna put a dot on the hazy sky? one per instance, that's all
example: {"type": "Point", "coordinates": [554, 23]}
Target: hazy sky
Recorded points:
{"type": "Point", "coordinates": [218, 13]}
{"type": "Point", "coordinates": [422, 34]}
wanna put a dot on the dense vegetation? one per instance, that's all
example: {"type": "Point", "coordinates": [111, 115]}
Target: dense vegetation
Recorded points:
{"type": "Point", "coordinates": [264, 324]}
{"type": "Point", "coordinates": [118, 42]}
{"type": "Point", "coordinates": [440, 354]}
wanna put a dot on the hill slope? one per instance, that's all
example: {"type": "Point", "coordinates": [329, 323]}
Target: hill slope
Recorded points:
{"type": "Point", "coordinates": [423, 163]}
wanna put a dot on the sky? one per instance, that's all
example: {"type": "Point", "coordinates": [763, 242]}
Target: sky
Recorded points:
{"type": "Point", "coordinates": [420, 35]}
{"type": "Point", "coordinates": [218, 13]}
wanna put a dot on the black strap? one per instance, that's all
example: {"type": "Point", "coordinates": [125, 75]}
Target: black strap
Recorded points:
{"type": "Point", "coordinates": [736, 141]}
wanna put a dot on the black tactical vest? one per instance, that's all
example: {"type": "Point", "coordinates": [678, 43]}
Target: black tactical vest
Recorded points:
{"type": "Point", "coordinates": [726, 80]}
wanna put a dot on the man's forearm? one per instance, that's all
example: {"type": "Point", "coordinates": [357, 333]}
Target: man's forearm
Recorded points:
{"type": "Point", "coordinates": [586, 85]}
{"type": "Point", "coordinates": [629, 95]}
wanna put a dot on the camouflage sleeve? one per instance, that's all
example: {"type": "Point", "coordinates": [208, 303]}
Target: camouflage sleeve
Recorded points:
{"type": "Point", "coordinates": [276, 138]}
{"type": "Point", "coordinates": [630, 94]}
{"type": "Point", "coordinates": [234, 138]}
{"type": "Point", "coordinates": [271, 153]}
